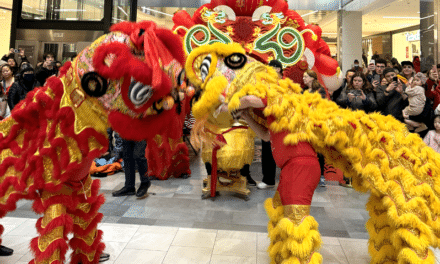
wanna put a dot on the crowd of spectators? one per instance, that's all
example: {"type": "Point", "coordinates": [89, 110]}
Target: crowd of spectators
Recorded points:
{"type": "Point", "coordinates": [396, 89]}
{"type": "Point", "coordinates": [17, 80]}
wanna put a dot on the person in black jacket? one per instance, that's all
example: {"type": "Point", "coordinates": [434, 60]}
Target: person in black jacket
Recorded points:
{"type": "Point", "coordinates": [47, 68]}
{"type": "Point", "coordinates": [389, 96]}
{"type": "Point", "coordinates": [23, 86]}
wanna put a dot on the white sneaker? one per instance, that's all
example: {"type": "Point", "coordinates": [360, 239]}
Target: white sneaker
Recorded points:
{"type": "Point", "coordinates": [262, 185]}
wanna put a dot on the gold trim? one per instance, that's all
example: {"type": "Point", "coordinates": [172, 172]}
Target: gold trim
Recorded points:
{"type": "Point", "coordinates": [296, 212]}
{"type": "Point", "coordinates": [46, 240]}
{"type": "Point", "coordinates": [276, 201]}
{"type": "Point", "coordinates": [51, 213]}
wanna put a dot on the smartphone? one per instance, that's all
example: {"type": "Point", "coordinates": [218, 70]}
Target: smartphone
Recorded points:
{"type": "Point", "coordinates": [376, 78]}
{"type": "Point", "coordinates": [395, 79]}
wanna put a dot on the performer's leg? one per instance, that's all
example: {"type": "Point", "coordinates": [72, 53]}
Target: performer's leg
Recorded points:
{"type": "Point", "coordinates": [297, 230]}
{"type": "Point", "coordinates": [322, 166]}
{"type": "Point", "coordinates": [51, 244]}
{"type": "Point", "coordinates": [380, 244]}
{"type": "Point", "coordinates": [129, 169]}
{"type": "Point", "coordinates": [141, 161]}
{"type": "Point", "coordinates": [86, 242]}
{"type": "Point", "coordinates": [268, 165]}
{"type": "Point", "coordinates": [246, 172]}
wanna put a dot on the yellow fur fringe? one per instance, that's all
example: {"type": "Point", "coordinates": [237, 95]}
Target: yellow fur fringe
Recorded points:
{"type": "Point", "coordinates": [295, 242]}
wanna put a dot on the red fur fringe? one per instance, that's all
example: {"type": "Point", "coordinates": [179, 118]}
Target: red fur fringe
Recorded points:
{"type": "Point", "coordinates": [78, 243]}
{"type": "Point", "coordinates": [60, 244]}
{"type": "Point", "coordinates": [64, 220]}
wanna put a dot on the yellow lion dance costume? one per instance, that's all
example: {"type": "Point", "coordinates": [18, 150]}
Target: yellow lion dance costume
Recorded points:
{"type": "Point", "coordinates": [376, 151]}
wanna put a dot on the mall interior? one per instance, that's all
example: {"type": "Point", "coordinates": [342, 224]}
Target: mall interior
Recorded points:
{"type": "Point", "coordinates": [173, 224]}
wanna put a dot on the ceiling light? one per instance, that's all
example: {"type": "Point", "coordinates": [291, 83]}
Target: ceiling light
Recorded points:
{"type": "Point", "coordinates": [309, 13]}
{"type": "Point", "coordinates": [401, 17]}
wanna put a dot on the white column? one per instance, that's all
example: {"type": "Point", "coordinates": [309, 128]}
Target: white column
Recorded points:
{"type": "Point", "coordinates": [349, 38]}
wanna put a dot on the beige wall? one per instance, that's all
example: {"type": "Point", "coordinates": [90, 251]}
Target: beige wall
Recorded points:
{"type": "Point", "coordinates": [6, 3]}
{"type": "Point", "coordinates": [5, 30]}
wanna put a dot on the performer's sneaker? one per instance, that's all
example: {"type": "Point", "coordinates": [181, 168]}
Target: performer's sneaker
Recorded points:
{"type": "Point", "coordinates": [4, 251]}
{"type": "Point", "coordinates": [322, 181]}
{"type": "Point", "coordinates": [262, 185]}
{"type": "Point", "coordinates": [251, 181]}
{"type": "Point", "coordinates": [125, 191]}
{"type": "Point", "coordinates": [142, 191]}
{"type": "Point", "coordinates": [104, 257]}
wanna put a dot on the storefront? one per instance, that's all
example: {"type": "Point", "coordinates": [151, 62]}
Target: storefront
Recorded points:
{"type": "Point", "coordinates": [377, 45]}
{"type": "Point", "coordinates": [406, 45]}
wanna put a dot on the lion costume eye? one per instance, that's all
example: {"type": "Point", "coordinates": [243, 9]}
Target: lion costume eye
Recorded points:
{"type": "Point", "coordinates": [204, 67]}
{"type": "Point", "coordinates": [235, 61]}
{"type": "Point", "coordinates": [139, 93]}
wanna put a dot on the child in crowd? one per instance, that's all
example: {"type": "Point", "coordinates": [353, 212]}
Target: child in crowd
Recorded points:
{"type": "Point", "coordinates": [432, 139]}
{"type": "Point", "coordinates": [416, 99]}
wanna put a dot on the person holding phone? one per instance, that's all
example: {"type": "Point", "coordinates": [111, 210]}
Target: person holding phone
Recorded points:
{"type": "Point", "coordinates": [47, 68]}
{"type": "Point", "coordinates": [389, 95]}
{"type": "Point", "coordinates": [358, 95]}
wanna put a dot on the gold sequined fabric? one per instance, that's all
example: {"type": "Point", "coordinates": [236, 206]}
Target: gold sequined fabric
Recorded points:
{"type": "Point", "coordinates": [296, 213]}
{"type": "Point", "coordinates": [238, 151]}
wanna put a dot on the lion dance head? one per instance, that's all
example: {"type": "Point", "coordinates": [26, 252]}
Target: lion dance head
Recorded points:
{"type": "Point", "coordinates": [133, 72]}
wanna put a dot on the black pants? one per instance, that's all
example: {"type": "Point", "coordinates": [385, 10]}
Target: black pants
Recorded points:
{"type": "Point", "coordinates": [321, 162]}
{"type": "Point", "coordinates": [268, 164]}
{"type": "Point", "coordinates": [133, 152]}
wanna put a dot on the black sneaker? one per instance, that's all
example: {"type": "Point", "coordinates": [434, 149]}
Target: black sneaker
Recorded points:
{"type": "Point", "coordinates": [104, 257]}
{"type": "Point", "coordinates": [4, 251]}
{"type": "Point", "coordinates": [125, 191]}
{"type": "Point", "coordinates": [142, 191]}
{"type": "Point", "coordinates": [251, 181]}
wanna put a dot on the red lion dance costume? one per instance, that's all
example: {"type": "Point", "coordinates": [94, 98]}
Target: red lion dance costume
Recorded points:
{"type": "Point", "coordinates": [128, 80]}
{"type": "Point", "coordinates": [377, 152]}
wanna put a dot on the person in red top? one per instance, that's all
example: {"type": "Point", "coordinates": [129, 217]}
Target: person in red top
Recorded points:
{"type": "Point", "coordinates": [432, 89]}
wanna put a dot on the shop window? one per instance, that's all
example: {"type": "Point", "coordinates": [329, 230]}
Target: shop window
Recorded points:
{"type": "Point", "coordinates": [121, 11]}
{"type": "Point", "coordinates": [73, 10]}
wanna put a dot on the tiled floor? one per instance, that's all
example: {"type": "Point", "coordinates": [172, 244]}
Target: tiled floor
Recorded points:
{"type": "Point", "coordinates": [143, 244]}
{"type": "Point", "coordinates": [174, 225]}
